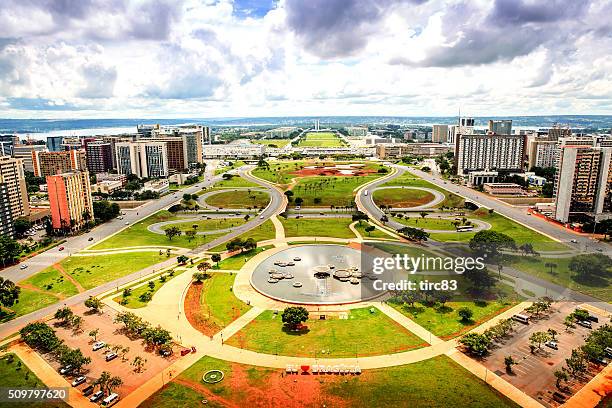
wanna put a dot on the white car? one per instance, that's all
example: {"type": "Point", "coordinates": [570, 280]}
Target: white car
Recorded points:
{"type": "Point", "coordinates": [79, 380]}
{"type": "Point", "coordinates": [127, 223]}
{"type": "Point", "coordinates": [261, 217]}
{"type": "Point", "coordinates": [98, 345]}
{"type": "Point", "coordinates": [23, 266]}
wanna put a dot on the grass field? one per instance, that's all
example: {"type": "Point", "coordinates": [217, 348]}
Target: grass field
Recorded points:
{"type": "Point", "coordinates": [235, 181]}
{"type": "Point", "coordinates": [402, 198]}
{"type": "Point", "coordinates": [138, 235]}
{"type": "Point", "coordinates": [499, 223]}
{"type": "Point", "coordinates": [318, 227]}
{"type": "Point", "coordinates": [279, 172]}
{"type": "Point", "coordinates": [408, 179]}
{"type": "Point", "coordinates": [435, 383]}
{"type": "Point", "coordinates": [374, 234]}
{"type": "Point", "coordinates": [237, 261]}
{"type": "Point", "coordinates": [219, 304]}
{"type": "Point", "coordinates": [362, 333]}
{"type": "Point", "coordinates": [92, 271]}
{"type": "Point", "coordinates": [29, 301]}
{"type": "Point", "coordinates": [51, 280]}
{"type": "Point", "coordinates": [429, 222]}
{"type": "Point", "coordinates": [262, 232]}
{"type": "Point", "coordinates": [16, 375]}
{"type": "Point", "coordinates": [280, 143]}
{"type": "Point", "coordinates": [233, 165]}
{"type": "Point", "coordinates": [209, 225]}
{"type": "Point", "coordinates": [321, 139]}
{"type": "Point", "coordinates": [239, 199]}
{"type": "Point", "coordinates": [600, 288]}
{"type": "Point", "coordinates": [134, 302]}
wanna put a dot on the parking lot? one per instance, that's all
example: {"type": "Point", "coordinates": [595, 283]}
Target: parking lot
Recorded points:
{"type": "Point", "coordinates": [534, 373]}
{"type": "Point", "coordinates": [120, 366]}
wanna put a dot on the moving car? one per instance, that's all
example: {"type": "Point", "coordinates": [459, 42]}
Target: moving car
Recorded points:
{"type": "Point", "coordinates": [90, 239]}
{"type": "Point", "coordinates": [552, 344]}
{"type": "Point", "coordinates": [127, 223]}
{"type": "Point", "coordinates": [261, 217]}
{"type": "Point", "coordinates": [23, 266]}
{"type": "Point", "coordinates": [574, 241]}
{"type": "Point", "coordinates": [98, 345]}
{"type": "Point", "coordinates": [79, 380]}
{"type": "Point", "coordinates": [61, 248]}
{"type": "Point", "coordinates": [96, 396]}
{"type": "Point", "coordinates": [111, 356]}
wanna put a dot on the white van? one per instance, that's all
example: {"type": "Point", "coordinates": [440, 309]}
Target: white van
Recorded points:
{"type": "Point", "coordinates": [365, 193]}
{"type": "Point", "coordinates": [521, 318]}
{"type": "Point", "coordinates": [110, 400]}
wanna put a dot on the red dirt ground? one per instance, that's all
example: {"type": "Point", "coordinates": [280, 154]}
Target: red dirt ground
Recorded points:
{"type": "Point", "coordinates": [326, 171]}
{"type": "Point", "coordinates": [194, 312]}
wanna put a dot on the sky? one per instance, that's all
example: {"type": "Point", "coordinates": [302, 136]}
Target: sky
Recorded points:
{"type": "Point", "coordinates": [248, 58]}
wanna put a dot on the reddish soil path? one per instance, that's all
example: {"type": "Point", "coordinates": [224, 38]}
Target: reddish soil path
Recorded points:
{"type": "Point", "coordinates": [39, 290]}
{"type": "Point", "coordinates": [195, 312]}
{"type": "Point", "coordinates": [66, 275]}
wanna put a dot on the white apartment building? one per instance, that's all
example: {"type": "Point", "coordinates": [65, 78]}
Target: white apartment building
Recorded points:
{"type": "Point", "coordinates": [489, 152]}
{"type": "Point", "coordinates": [234, 151]}
{"type": "Point", "coordinates": [142, 158]}
{"type": "Point", "coordinates": [543, 153]}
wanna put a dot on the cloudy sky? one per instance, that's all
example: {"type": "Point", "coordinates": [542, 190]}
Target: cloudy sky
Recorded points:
{"type": "Point", "coordinates": [206, 58]}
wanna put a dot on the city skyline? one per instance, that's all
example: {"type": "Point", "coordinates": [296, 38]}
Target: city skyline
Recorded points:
{"type": "Point", "coordinates": [120, 59]}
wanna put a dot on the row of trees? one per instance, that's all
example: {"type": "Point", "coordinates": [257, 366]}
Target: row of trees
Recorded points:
{"type": "Point", "coordinates": [240, 244]}
{"type": "Point", "coordinates": [134, 326]}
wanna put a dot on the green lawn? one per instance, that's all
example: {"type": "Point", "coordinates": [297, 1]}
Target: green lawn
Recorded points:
{"type": "Point", "coordinates": [17, 375]}
{"type": "Point", "coordinates": [321, 139]}
{"type": "Point", "coordinates": [327, 191]}
{"type": "Point", "coordinates": [429, 222]}
{"type": "Point", "coordinates": [363, 333]}
{"type": "Point", "coordinates": [499, 223]}
{"type": "Point", "coordinates": [239, 199]}
{"type": "Point", "coordinates": [30, 301]}
{"type": "Point", "coordinates": [237, 261]}
{"type": "Point", "coordinates": [409, 179]}
{"type": "Point", "coordinates": [435, 383]}
{"type": "Point", "coordinates": [262, 232]}
{"type": "Point", "coordinates": [92, 271]}
{"type": "Point", "coordinates": [280, 143]}
{"type": "Point", "coordinates": [445, 322]}
{"type": "Point", "coordinates": [219, 305]}
{"type": "Point", "coordinates": [279, 172]}
{"type": "Point", "coordinates": [234, 165]}
{"type": "Point", "coordinates": [600, 288]}
{"type": "Point", "coordinates": [51, 280]}
{"type": "Point", "coordinates": [318, 227]}
{"type": "Point", "coordinates": [374, 234]}
{"type": "Point", "coordinates": [235, 181]}
{"type": "Point", "coordinates": [138, 235]}
{"type": "Point", "coordinates": [402, 197]}
{"type": "Point", "coordinates": [134, 302]}
{"type": "Point", "coordinates": [209, 224]}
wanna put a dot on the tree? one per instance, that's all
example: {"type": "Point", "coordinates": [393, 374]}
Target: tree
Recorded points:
{"type": "Point", "coordinates": [550, 265]}
{"type": "Point", "coordinates": [40, 336]}
{"type": "Point", "coordinates": [103, 381]}
{"type": "Point", "coordinates": [588, 266]}
{"type": "Point", "coordinates": [94, 334]}
{"type": "Point", "coordinates": [21, 225]}
{"type": "Point", "coordinates": [156, 336]}
{"type": "Point", "coordinates": [9, 293]}
{"type": "Point", "coordinates": [104, 210]}
{"type": "Point", "coordinates": [359, 216]}
{"type": "Point", "coordinates": [216, 258]}
{"type": "Point", "coordinates": [576, 363]}
{"type": "Point", "coordinates": [299, 201]}
{"type": "Point", "coordinates": [509, 362]}
{"type": "Point", "coordinates": [414, 234]}
{"type": "Point", "coordinates": [465, 313]}
{"type": "Point", "coordinates": [294, 315]}
{"type": "Point", "coordinates": [560, 375]}
{"type": "Point", "coordinates": [190, 235]}
{"type": "Point", "coordinates": [200, 276]}
{"type": "Point", "coordinates": [553, 334]}
{"type": "Point", "coordinates": [94, 304]}
{"type": "Point", "coordinates": [384, 219]}
{"type": "Point", "coordinates": [145, 297]}
{"type": "Point", "coordinates": [369, 229]}
{"type": "Point", "coordinates": [138, 363]}
{"type": "Point", "coordinates": [182, 259]}
{"type": "Point", "coordinates": [568, 322]}
{"type": "Point", "coordinates": [538, 338]}
{"type": "Point", "coordinates": [489, 243]}
{"type": "Point", "coordinates": [73, 357]}
{"type": "Point", "coordinates": [423, 214]}
{"type": "Point", "coordinates": [9, 249]}
{"type": "Point", "coordinates": [173, 232]}
{"type": "Point", "coordinates": [476, 343]}
{"type": "Point", "coordinates": [63, 314]}
{"type": "Point", "coordinates": [481, 279]}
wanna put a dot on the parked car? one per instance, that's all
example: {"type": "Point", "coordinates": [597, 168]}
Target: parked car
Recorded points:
{"type": "Point", "coordinates": [23, 266]}
{"type": "Point", "coordinates": [601, 361]}
{"type": "Point", "coordinates": [66, 369]}
{"type": "Point", "coordinates": [184, 352]}
{"type": "Point", "coordinates": [111, 356]}
{"type": "Point", "coordinates": [552, 344]}
{"type": "Point", "coordinates": [558, 397]}
{"type": "Point", "coordinates": [261, 217]}
{"type": "Point", "coordinates": [98, 345]}
{"type": "Point", "coordinates": [608, 352]}
{"type": "Point", "coordinates": [599, 249]}
{"type": "Point", "coordinates": [96, 396]}
{"type": "Point", "coordinates": [79, 380]}
{"type": "Point", "coordinates": [584, 323]}
{"type": "Point", "coordinates": [165, 352]}
{"type": "Point", "coordinates": [594, 319]}
{"type": "Point", "coordinates": [88, 390]}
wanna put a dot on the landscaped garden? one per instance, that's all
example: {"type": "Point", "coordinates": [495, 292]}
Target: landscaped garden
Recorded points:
{"type": "Point", "coordinates": [262, 232]}
{"type": "Point", "coordinates": [428, 223]}
{"type": "Point", "coordinates": [279, 172]}
{"type": "Point", "coordinates": [140, 295]}
{"type": "Point", "coordinates": [210, 305]}
{"type": "Point", "coordinates": [139, 235]}
{"type": "Point", "coordinates": [437, 382]}
{"type": "Point", "coordinates": [408, 179]}
{"type": "Point", "coordinates": [318, 227]}
{"type": "Point", "coordinates": [237, 261]}
{"type": "Point", "coordinates": [232, 182]}
{"type": "Point", "coordinates": [363, 332]}
{"type": "Point", "coordinates": [320, 139]}
{"type": "Point", "coordinates": [366, 231]}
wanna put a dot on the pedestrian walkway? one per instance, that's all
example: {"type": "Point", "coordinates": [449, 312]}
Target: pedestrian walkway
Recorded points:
{"type": "Point", "coordinates": [409, 324]}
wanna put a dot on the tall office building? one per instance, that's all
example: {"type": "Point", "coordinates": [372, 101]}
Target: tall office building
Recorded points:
{"type": "Point", "coordinates": [54, 143]}
{"type": "Point", "coordinates": [25, 152]}
{"type": "Point", "coordinates": [50, 163]}
{"type": "Point", "coordinates": [583, 183]}
{"type": "Point", "coordinates": [6, 144]}
{"type": "Point", "coordinates": [500, 127]}
{"type": "Point", "coordinates": [489, 153]}
{"type": "Point", "coordinates": [193, 136]}
{"type": "Point", "coordinates": [466, 126]}
{"type": "Point", "coordinates": [6, 217]}
{"type": "Point", "coordinates": [70, 200]}
{"type": "Point", "coordinates": [543, 153]}
{"type": "Point", "coordinates": [143, 158]}
{"type": "Point", "coordinates": [439, 133]}
{"type": "Point", "coordinates": [99, 157]}
{"type": "Point", "coordinates": [177, 153]}
{"type": "Point", "coordinates": [558, 131]}
{"type": "Point", "coordinates": [14, 191]}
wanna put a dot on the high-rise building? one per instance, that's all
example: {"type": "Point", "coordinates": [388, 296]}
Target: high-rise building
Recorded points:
{"type": "Point", "coordinates": [50, 163]}
{"type": "Point", "coordinates": [466, 126]}
{"type": "Point", "coordinates": [583, 183]}
{"type": "Point", "coordinates": [6, 144]}
{"type": "Point", "coordinates": [500, 127]}
{"type": "Point", "coordinates": [543, 153]}
{"type": "Point", "coordinates": [14, 190]}
{"type": "Point", "coordinates": [25, 152]}
{"type": "Point", "coordinates": [439, 133]}
{"type": "Point", "coordinates": [558, 131]}
{"type": "Point", "coordinates": [70, 200]}
{"type": "Point", "coordinates": [489, 152]}
{"type": "Point", "coordinates": [177, 152]}
{"type": "Point", "coordinates": [143, 158]}
{"type": "Point", "coordinates": [193, 136]}
{"type": "Point", "coordinates": [54, 143]}
{"type": "Point", "coordinates": [99, 157]}
{"type": "Point", "coordinates": [6, 217]}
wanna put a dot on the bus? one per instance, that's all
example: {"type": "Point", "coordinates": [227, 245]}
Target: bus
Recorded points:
{"type": "Point", "coordinates": [110, 400]}
{"type": "Point", "coordinates": [465, 228]}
